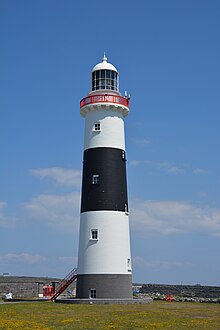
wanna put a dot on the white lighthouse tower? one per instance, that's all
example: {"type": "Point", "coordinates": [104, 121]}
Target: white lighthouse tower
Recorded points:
{"type": "Point", "coordinates": [104, 258]}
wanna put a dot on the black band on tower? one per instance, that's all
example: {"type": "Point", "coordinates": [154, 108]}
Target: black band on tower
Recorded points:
{"type": "Point", "coordinates": [104, 184]}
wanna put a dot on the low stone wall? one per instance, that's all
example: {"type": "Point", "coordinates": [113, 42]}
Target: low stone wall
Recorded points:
{"type": "Point", "coordinates": [200, 291]}
{"type": "Point", "coordinates": [27, 287]}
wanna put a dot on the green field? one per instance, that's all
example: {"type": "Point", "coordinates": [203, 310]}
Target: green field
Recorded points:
{"type": "Point", "coordinates": [159, 315]}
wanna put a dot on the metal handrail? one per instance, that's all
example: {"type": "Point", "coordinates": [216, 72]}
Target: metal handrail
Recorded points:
{"type": "Point", "coordinates": [104, 98]}
{"type": "Point", "coordinates": [65, 283]}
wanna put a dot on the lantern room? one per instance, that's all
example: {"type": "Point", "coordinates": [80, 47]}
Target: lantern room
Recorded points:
{"type": "Point", "coordinates": [105, 77]}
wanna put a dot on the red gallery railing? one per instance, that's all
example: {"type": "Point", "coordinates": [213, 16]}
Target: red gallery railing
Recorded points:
{"type": "Point", "coordinates": [106, 98]}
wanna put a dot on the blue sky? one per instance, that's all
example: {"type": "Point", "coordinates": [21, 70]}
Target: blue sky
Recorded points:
{"type": "Point", "coordinates": [167, 53]}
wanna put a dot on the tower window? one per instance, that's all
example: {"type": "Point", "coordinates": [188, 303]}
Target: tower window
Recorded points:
{"type": "Point", "coordinates": [95, 179]}
{"type": "Point", "coordinates": [97, 127]}
{"type": "Point", "coordinates": [123, 155]}
{"type": "Point", "coordinates": [129, 264]}
{"type": "Point", "coordinates": [94, 234]}
{"type": "Point", "coordinates": [92, 293]}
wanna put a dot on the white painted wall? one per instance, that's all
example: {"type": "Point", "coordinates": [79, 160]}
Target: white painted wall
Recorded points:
{"type": "Point", "coordinates": [112, 129]}
{"type": "Point", "coordinates": [110, 253]}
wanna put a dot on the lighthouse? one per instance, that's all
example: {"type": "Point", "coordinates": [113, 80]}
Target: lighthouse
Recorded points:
{"type": "Point", "coordinates": [104, 257]}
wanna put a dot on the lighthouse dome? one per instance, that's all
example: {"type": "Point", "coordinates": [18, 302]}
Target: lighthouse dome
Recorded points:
{"type": "Point", "coordinates": [105, 77]}
{"type": "Point", "coordinates": [104, 65]}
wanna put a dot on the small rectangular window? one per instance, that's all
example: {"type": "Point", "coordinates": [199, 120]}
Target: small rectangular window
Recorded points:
{"type": "Point", "coordinates": [126, 208]}
{"type": "Point", "coordinates": [92, 293]}
{"type": "Point", "coordinates": [102, 73]}
{"type": "Point", "coordinates": [97, 86]}
{"type": "Point", "coordinates": [108, 83]}
{"type": "Point", "coordinates": [102, 84]}
{"type": "Point", "coordinates": [95, 179]}
{"type": "Point", "coordinates": [129, 264]}
{"type": "Point", "coordinates": [97, 74]}
{"type": "Point", "coordinates": [94, 234]}
{"type": "Point", "coordinates": [97, 126]}
{"type": "Point", "coordinates": [108, 72]}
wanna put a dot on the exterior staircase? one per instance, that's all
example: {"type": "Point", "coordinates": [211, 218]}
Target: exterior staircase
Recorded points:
{"type": "Point", "coordinates": [65, 283]}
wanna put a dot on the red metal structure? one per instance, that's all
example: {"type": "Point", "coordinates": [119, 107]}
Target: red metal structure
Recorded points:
{"type": "Point", "coordinates": [108, 98]}
{"type": "Point", "coordinates": [169, 297]}
{"type": "Point", "coordinates": [48, 290]}
{"type": "Point", "coordinates": [65, 283]}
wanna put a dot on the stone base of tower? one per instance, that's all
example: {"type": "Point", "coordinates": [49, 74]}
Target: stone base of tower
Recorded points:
{"type": "Point", "coordinates": [104, 286]}
{"type": "Point", "coordinates": [131, 301]}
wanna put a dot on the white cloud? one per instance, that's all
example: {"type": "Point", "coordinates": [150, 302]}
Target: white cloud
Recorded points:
{"type": "Point", "coordinates": [199, 171]}
{"type": "Point", "coordinates": [165, 166]}
{"type": "Point", "coordinates": [2, 205]}
{"type": "Point", "coordinates": [140, 262]}
{"type": "Point", "coordinates": [169, 168]}
{"type": "Point", "coordinates": [36, 265]}
{"type": "Point", "coordinates": [141, 142]}
{"type": "Point", "coordinates": [171, 217]}
{"type": "Point", "coordinates": [161, 217]}
{"type": "Point", "coordinates": [5, 220]}
{"type": "Point", "coordinates": [21, 258]}
{"type": "Point", "coordinates": [69, 261]}
{"type": "Point", "coordinates": [58, 211]}
{"type": "Point", "coordinates": [134, 163]}
{"type": "Point", "coordinates": [61, 176]}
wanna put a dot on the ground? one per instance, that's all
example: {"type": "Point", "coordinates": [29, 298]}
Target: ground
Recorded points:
{"type": "Point", "coordinates": [159, 315]}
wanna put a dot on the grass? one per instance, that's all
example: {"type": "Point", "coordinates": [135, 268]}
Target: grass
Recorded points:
{"type": "Point", "coordinates": [159, 315]}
